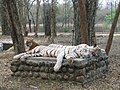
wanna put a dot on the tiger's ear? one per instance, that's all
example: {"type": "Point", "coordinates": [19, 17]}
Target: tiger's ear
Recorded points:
{"type": "Point", "coordinates": [94, 45]}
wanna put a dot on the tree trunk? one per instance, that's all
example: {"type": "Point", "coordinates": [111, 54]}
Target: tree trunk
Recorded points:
{"type": "Point", "coordinates": [14, 25]}
{"type": "Point", "coordinates": [109, 42]}
{"type": "Point", "coordinates": [47, 18]}
{"type": "Point", "coordinates": [37, 17]}
{"type": "Point", "coordinates": [83, 22]}
{"type": "Point", "coordinates": [4, 24]}
{"type": "Point", "coordinates": [27, 8]}
{"type": "Point", "coordinates": [22, 16]}
{"type": "Point", "coordinates": [76, 32]}
{"type": "Point", "coordinates": [91, 7]}
{"type": "Point", "coordinates": [29, 21]}
{"type": "Point", "coordinates": [25, 14]}
{"type": "Point", "coordinates": [53, 20]}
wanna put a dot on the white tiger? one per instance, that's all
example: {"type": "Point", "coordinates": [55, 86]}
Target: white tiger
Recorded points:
{"type": "Point", "coordinates": [60, 51]}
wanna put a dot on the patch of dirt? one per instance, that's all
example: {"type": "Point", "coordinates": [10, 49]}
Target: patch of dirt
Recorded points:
{"type": "Point", "coordinates": [110, 81]}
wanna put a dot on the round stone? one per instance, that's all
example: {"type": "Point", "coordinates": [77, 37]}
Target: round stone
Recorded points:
{"type": "Point", "coordinates": [42, 69]}
{"type": "Point", "coordinates": [71, 70]}
{"type": "Point", "coordinates": [46, 69]}
{"type": "Point", "coordinates": [36, 74]}
{"type": "Point", "coordinates": [21, 68]}
{"type": "Point", "coordinates": [80, 79]}
{"type": "Point", "coordinates": [17, 73]}
{"type": "Point", "coordinates": [13, 68]}
{"type": "Point", "coordinates": [30, 74]}
{"type": "Point", "coordinates": [66, 77]}
{"type": "Point", "coordinates": [59, 76]}
{"type": "Point", "coordinates": [51, 69]}
{"type": "Point", "coordinates": [44, 75]}
{"type": "Point", "coordinates": [24, 74]}
{"type": "Point", "coordinates": [52, 76]}
{"type": "Point", "coordinates": [16, 63]}
{"type": "Point", "coordinates": [36, 69]}
{"type": "Point", "coordinates": [64, 69]}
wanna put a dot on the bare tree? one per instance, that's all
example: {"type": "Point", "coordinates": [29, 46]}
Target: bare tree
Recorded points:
{"type": "Point", "coordinates": [22, 12]}
{"type": "Point", "coordinates": [91, 7]}
{"type": "Point", "coordinates": [109, 42]}
{"type": "Point", "coordinates": [37, 17]}
{"type": "Point", "coordinates": [83, 22]}
{"type": "Point", "coordinates": [46, 17]}
{"type": "Point", "coordinates": [76, 31]}
{"type": "Point", "coordinates": [27, 8]}
{"type": "Point", "coordinates": [4, 24]}
{"type": "Point", "coordinates": [28, 5]}
{"type": "Point", "coordinates": [12, 16]}
{"type": "Point", "coordinates": [53, 20]}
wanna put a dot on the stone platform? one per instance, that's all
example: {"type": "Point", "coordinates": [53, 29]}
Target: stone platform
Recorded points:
{"type": "Point", "coordinates": [82, 70]}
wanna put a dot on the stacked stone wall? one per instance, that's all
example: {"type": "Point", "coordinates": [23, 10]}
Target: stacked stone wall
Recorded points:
{"type": "Point", "coordinates": [82, 70]}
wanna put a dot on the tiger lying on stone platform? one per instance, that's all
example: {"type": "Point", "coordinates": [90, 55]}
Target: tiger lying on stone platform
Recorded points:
{"type": "Point", "coordinates": [60, 52]}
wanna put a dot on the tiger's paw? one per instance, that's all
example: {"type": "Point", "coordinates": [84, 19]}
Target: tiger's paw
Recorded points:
{"type": "Point", "coordinates": [70, 60]}
{"type": "Point", "coordinates": [56, 68]}
{"type": "Point", "coordinates": [16, 57]}
{"type": "Point", "coordinates": [24, 57]}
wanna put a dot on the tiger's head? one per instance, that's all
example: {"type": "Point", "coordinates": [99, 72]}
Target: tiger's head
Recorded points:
{"type": "Point", "coordinates": [96, 51]}
{"type": "Point", "coordinates": [30, 44]}
{"type": "Point", "coordinates": [90, 51]}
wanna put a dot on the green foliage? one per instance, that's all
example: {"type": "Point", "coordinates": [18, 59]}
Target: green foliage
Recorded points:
{"type": "Point", "coordinates": [109, 17]}
{"type": "Point", "coordinates": [66, 29]}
